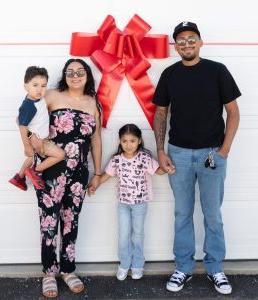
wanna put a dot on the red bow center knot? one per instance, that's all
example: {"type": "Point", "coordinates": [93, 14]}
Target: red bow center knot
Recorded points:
{"type": "Point", "coordinates": [122, 53]}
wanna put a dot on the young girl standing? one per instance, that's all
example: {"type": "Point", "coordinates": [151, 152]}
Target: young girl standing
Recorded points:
{"type": "Point", "coordinates": [133, 165]}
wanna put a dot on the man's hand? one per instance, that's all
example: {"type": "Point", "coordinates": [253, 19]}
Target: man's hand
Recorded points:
{"type": "Point", "coordinates": [165, 162]}
{"type": "Point", "coordinates": [222, 153]}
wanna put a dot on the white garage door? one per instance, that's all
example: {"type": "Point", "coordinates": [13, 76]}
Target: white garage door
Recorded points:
{"type": "Point", "coordinates": [19, 224]}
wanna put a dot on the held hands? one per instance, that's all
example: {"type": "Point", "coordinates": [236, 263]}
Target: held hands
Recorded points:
{"type": "Point", "coordinates": [165, 162]}
{"type": "Point", "coordinates": [93, 185]}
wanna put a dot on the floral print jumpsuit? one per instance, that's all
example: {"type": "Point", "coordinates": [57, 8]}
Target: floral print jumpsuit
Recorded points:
{"type": "Point", "coordinates": [66, 183]}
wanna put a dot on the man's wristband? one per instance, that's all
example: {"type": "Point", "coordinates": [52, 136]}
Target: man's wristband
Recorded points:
{"type": "Point", "coordinates": [95, 174]}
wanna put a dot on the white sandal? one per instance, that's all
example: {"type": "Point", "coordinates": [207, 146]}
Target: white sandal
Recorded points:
{"type": "Point", "coordinates": [49, 287]}
{"type": "Point", "coordinates": [73, 282]}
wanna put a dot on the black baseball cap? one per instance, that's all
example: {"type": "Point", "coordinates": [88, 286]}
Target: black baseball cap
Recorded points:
{"type": "Point", "coordinates": [184, 26]}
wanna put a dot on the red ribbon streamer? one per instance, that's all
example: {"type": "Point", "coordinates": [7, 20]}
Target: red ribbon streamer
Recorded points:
{"type": "Point", "coordinates": [122, 53]}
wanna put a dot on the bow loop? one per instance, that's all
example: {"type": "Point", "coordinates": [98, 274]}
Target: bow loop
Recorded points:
{"type": "Point", "coordinates": [106, 27]}
{"type": "Point", "coordinates": [138, 27]}
{"type": "Point", "coordinates": [122, 53]}
{"type": "Point", "coordinates": [114, 44]}
{"type": "Point", "coordinates": [133, 48]}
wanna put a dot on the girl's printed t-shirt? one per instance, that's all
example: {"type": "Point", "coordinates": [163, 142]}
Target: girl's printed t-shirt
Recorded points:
{"type": "Point", "coordinates": [134, 180]}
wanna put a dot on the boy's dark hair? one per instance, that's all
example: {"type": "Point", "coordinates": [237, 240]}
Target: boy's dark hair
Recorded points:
{"type": "Point", "coordinates": [134, 130]}
{"type": "Point", "coordinates": [34, 71]}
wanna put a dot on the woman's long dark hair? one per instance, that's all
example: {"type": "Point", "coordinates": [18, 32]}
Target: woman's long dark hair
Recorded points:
{"type": "Point", "coordinates": [89, 88]}
{"type": "Point", "coordinates": [133, 130]}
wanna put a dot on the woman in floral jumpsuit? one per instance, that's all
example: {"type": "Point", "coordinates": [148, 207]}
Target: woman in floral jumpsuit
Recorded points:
{"type": "Point", "coordinates": [74, 126]}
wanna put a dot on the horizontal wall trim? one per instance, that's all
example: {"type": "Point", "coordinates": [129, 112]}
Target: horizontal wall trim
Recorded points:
{"type": "Point", "coordinates": [14, 200]}
{"type": "Point", "coordinates": [172, 43]}
{"type": "Point", "coordinates": [151, 254]}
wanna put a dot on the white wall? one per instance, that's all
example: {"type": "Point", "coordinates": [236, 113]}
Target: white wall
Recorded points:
{"type": "Point", "coordinates": [53, 22]}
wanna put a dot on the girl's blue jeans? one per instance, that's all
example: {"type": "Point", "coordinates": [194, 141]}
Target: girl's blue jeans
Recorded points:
{"type": "Point", "coordinates": [131, 219]}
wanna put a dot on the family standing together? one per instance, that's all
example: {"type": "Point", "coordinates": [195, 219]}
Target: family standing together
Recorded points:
{"type": "Point", "coordinates": [59, 127]}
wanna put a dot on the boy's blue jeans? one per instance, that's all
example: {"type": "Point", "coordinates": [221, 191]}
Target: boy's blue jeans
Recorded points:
{"type": "Point", "coordinates": [190, 168]}
{"type": "Point", "coordinates": [131, 219]}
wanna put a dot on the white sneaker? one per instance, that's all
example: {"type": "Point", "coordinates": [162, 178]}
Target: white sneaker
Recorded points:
{"type": "Point", "coordinates": [137, 273]}
{"type": "Point", "coordinates": [121, 274]}
{"type": "Point", "coordinates": [221, 283]}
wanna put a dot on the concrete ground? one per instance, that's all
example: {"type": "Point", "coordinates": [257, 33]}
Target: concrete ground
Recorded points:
{"type": "Point", "coordinates": [149, 287]}
{"type": "Point", "coordinates": [22, 282]}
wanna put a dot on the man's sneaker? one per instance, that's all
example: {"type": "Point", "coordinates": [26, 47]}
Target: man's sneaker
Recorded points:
{"type": "Point", "coordinates": [221, 283]}
{"type": "Point", "coordinates": [19, 182]}
{"type": "Point", "coordinates": [136, 273]}
{"type": "Point", "coordinates": [35, 178]}
{"type": "Point", "coordinates": [121, 274]}
{"type": "Point", "coordinates": [177, 281]}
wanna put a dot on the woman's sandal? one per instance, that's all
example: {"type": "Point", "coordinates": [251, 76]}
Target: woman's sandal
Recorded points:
{"type": "Point", "coordinates": [73, 282]}
{"type": "Point", "coordinates": [49, 287]}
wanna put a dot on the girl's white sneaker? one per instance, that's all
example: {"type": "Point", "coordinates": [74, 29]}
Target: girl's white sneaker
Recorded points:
{"type": "Point", "coordinates": [137, 273]}
{"type": "Point", "coordinates": [121, 274]}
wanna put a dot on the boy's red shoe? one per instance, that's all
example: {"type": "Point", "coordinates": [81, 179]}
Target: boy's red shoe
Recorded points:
{"type": "Point", "coordinates": [35, 178]}
{"type": "Point", "coordinates": [19, 182]}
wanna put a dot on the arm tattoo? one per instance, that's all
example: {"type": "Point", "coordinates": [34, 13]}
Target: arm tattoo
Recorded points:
{"type": "Point", "coordinates": [160, 125]}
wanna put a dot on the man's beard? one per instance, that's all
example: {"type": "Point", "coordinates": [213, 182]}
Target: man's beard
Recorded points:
{"type": "Point", "coordinates": [189, 58]}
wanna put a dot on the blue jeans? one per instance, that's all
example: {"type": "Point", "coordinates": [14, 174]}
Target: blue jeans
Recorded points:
{"type": "Point", "coordinates": [190, 168]}
{"type": "Point", "coordinates": [131, 219]}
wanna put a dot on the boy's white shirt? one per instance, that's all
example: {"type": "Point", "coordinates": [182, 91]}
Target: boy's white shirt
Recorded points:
{"type": "Point", "coordinates": [39, 125]}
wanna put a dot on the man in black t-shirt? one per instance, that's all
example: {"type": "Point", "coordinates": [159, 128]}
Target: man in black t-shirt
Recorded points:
{"type": "Point", "coordinates": [196, 90]}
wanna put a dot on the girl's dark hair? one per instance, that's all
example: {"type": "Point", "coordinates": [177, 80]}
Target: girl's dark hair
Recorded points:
{"type": "Point", "coordinates": [89, 88]}
{"type": "Point", "coordinates": [134, 130]}
{"type": "Point", "coordinates": [34, 71]}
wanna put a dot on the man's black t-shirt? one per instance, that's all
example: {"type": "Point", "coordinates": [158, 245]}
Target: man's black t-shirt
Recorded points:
{"type": "Point", "coordinates": [196, 95]}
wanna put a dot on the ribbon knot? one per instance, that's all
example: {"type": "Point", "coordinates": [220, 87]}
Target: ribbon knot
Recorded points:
{"type": "Point", "coordinates": [122, 53]}
{"type": "Point", "coordinates": [122, 44]}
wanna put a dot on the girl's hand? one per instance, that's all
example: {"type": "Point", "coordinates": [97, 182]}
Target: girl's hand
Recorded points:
{"type": "Point", "coordinates": [171, 170]}
{"type": "Point", "coordinates": [91, 191]}
{"type": "Point", "coordinates": [93, 185]}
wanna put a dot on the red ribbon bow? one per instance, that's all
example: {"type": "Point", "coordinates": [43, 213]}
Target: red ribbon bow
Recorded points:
{"type": "Point", "coordinates": [122, 53]}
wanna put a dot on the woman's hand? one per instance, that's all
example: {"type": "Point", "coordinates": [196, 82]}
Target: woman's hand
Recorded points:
{"type": "Point", "coordinates": [36, 143]}
{"type": "Point", "coordinates": [28, 150]}
{"type": "Point", "coordinates": [93, 185]}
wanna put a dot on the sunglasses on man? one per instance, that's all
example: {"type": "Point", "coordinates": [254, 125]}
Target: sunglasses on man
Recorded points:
{"type": "Point", "coordinates": [191, 41]}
